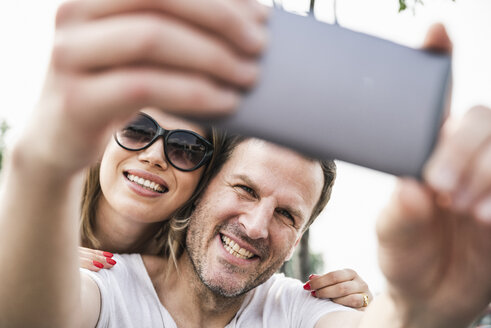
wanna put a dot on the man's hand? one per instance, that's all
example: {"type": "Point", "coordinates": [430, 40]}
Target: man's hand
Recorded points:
{"type": "Point", "coordinates": [111, 58]}
{"type": "Point", "coordinates": [435, 238]}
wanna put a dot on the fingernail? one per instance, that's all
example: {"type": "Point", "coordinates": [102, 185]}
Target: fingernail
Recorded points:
{"type": "Point", "coordinates": [110, 261]}
{"type": "Point", "coordinates": [107, 254]}
{"type": "Point", "coordinates": [312, 276]}
{"type": "Point", "coordinates": [443, 180]}
{"type": "Point", "coordinates": [306, 286]}
{"type": "Point", "coordinates": [483, 210]}
{"type": "Point", "coordinates": [313, 293]}
{"type": "Point", "coordinates": [98, 264]}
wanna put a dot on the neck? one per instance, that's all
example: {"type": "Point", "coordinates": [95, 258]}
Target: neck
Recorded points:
{"type": "Point", "coordinates": [189, 301]}
{"type": "Point", "coordinates": [121, 234]}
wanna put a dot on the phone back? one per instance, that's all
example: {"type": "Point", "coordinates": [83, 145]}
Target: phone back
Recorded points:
{"type": "Point", "coordinates": [330, 92]}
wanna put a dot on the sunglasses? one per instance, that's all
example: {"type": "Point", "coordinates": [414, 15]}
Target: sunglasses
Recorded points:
{"type": "Point", "coordinates": [185, 150]}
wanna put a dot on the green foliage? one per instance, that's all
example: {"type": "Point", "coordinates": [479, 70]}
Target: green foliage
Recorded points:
{"type": "Point", "coordinates": [293, 268]}
{"type": "Point", "coordinates": [403, 4]}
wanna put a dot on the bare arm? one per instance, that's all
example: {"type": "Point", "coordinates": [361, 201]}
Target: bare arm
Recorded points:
{"type": "Point", "coordinates": [96, 80]}
{"type": "Point", "coordinates": [435, 235]}
{"type": "Point", "coordinates": [32, 202]}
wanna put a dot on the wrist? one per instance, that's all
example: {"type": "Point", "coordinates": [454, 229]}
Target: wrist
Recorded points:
{"type": "Point", "coordinates": [36, 162]}
{"type": "Point", "coordinates": [388, 311]}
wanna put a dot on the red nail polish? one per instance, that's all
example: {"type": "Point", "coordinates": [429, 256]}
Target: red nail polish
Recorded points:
{"type": "Point", "coordinates": [107, 254]}
{"type": "Point", "coordinates": [98, 264]}
{"type": "Point", "coordinates": [110, 261]}
{"type": "Point", "coordinates": [312, 293]}
{"type": "Point", "coordinates": [306, 286]}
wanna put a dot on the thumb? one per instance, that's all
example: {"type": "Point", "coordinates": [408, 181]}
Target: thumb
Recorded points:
{"type": "Point", "coordinates": [407, 232]}
{"type": "Point", "coordinates": [437, 39]}
{"type": "Point", "coordinates": [409, 211]}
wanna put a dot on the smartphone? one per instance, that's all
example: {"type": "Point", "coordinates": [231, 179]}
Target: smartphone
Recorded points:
{"type": "Point", "coordinates": [333, 93]}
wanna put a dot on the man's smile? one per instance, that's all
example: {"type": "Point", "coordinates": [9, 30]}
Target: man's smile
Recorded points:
{"type": "Point", "coordinates": [233, 248]}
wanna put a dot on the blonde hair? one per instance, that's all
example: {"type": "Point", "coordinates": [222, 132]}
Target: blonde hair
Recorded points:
{"type": "Point", "coordinates": [170, 237]}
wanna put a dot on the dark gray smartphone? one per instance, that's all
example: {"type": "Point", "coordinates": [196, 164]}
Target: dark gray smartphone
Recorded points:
{"type": "Point", "coordinates": [330, 92]}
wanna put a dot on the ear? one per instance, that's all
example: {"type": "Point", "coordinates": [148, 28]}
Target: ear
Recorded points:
{"type": "Point", "coordinates": [292, 250]}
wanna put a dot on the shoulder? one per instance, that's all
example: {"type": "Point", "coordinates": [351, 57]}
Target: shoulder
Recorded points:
{"type": "Point", "coordinates": [283, 300]}
{"type": "Point", "coordinates": [125, 288]}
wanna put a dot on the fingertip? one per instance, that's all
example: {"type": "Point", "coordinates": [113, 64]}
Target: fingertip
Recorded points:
{"type": "Point", "coordinates": [97, 264]}
{"type": "Point", "coordinates": [413, 198]}
{"type": "Point", "coordinates": [442, 179]}
{"type": "Point", "coordinates": [437, 39]}
{"type": "Point", "coordinates": [111, 261]}
{"type": "Point", "coordinates": [227, 102]}
{"type": "Point", "coordinates": [261, 11]}
{"type": "Point", "coordinates": [254, 39]}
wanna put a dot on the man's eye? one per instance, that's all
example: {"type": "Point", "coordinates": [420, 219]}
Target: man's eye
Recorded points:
{"type": "Point", "coordinates": [286, 214]}
{"type": "Point", "coordinates": [248, 190]}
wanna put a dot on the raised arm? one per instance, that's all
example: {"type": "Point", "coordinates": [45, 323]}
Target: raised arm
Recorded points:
{"type": "Point", "coordinates": [435, 238]}
{"type": "Point", "coordinates": [110, 58]}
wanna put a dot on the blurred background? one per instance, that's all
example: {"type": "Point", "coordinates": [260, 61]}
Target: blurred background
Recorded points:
{"type": "Point", "coordinates": [344, 235]}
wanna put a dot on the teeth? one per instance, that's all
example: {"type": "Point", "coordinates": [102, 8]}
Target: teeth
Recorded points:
{"type": "Point", "coordinates": [234, 249]}
{"type": "Point", "coordinates": [151, 185]}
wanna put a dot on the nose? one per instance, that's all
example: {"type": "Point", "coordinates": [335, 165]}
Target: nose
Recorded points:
{"type": "Point", "coordinates": [256, 221]}
{"type": "Point", "coordinates": [154, 155]}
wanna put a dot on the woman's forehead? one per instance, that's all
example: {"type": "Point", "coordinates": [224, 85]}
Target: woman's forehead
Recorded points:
{"type": "Point", "coordinates": [172, 122]}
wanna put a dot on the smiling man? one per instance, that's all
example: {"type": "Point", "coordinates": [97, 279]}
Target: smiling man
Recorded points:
{"type": "Point", "coordinates": [247, 223]}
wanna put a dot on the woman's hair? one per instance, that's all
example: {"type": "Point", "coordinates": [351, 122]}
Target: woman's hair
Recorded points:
{"type": "Point", "coordinates": [169, 238]}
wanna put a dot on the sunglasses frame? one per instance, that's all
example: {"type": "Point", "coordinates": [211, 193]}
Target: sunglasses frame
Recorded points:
{"type": "Point", "coordinates": [161, 132]}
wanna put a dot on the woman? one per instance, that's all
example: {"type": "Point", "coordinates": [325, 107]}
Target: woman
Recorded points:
{"type": "Point", "coordinates": [136, 170]}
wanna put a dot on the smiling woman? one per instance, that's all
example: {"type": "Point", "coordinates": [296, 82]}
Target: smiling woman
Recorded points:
{"type": "Point", "coordinates": [147, 176]}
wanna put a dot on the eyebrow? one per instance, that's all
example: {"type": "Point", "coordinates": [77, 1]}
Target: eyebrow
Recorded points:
{"type": "Point", "coordinates": [247, 180]}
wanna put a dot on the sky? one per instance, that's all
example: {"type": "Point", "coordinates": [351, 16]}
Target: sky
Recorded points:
{"type": "Point", "coordinates": [345, 231]}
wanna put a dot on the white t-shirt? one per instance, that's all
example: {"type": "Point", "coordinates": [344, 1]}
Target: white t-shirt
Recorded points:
{"type": "Point", "coordinates": [128, 299]}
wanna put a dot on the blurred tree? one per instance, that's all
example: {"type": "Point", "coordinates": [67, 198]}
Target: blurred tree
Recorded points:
{"type": "Point", "coordinates": [303, 262]}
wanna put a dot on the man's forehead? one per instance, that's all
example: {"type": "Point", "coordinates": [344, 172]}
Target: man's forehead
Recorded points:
{"type": "Point", "coordinates": [270, 166]}
{"type": "Point", "coordinates": [260, 151]}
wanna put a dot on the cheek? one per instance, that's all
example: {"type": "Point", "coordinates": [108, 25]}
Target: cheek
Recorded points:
{"type": "Point", "coordinates": [284, 240]}
{"type": "Point", "coordinates": [187, 182]}
{"type": "Point", "coordinates": [113, 155]}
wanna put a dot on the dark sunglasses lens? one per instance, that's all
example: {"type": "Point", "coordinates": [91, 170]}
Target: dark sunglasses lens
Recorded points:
{"type": "Point", "coordinates": [138, 133]}
{"type": "Point", "coordinates": [185, 150]}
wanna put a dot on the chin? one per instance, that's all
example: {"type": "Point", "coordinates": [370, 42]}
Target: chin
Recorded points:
{"type": "Point", "coordinates": [226, 290]}
{"type": "Point", "coordinates": [227, 286]}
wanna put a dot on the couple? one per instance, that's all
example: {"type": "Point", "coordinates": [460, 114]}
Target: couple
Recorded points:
{"type": "Point", "coordinates": [261, 199]}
